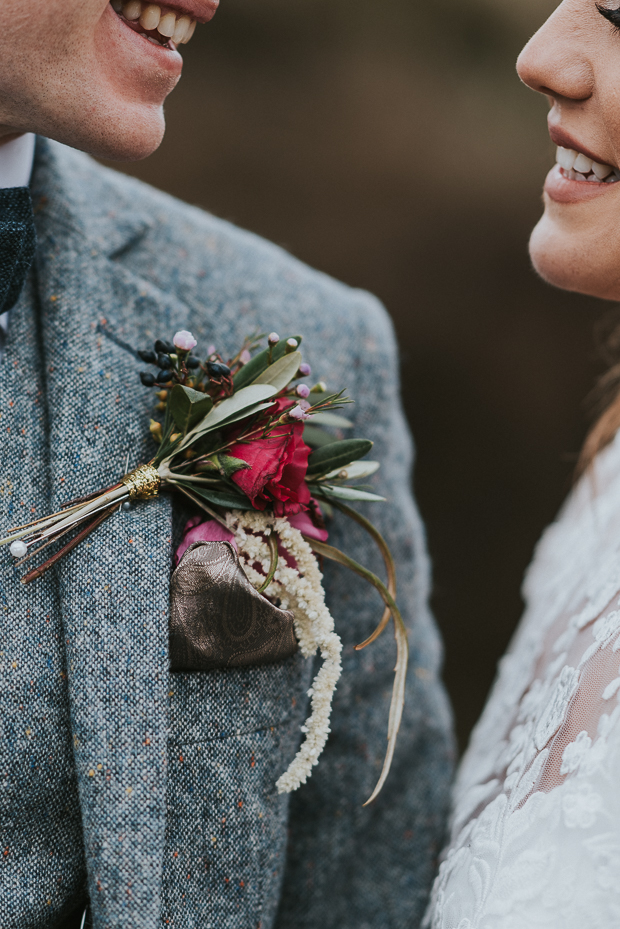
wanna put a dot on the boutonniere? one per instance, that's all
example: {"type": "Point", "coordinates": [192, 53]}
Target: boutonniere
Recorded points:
{"type": "Point", "coordinates": [247, 441]}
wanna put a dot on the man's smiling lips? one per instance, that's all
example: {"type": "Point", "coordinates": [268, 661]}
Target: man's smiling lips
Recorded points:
{"type": "Point", "coordinates": [165, 25]}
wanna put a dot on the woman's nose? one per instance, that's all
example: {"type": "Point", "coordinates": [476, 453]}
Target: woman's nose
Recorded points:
{"type": "Point", "coordinates": [555, 62]}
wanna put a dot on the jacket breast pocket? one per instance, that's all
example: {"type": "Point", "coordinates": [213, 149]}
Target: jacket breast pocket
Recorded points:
{"type": "Point", "coordinates": [217, 618]}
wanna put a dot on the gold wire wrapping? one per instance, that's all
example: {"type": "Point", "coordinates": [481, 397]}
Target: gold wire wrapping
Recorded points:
{"type": "Point", "coordinates": [142, 482]}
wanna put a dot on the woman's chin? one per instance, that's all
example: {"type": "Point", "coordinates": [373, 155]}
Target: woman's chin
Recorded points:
{"type": "Point", "coordinates": [574, 261]}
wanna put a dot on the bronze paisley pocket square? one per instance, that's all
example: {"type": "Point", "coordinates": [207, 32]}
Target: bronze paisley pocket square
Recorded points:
{"type": "Point", "coordinates": [218, 620]}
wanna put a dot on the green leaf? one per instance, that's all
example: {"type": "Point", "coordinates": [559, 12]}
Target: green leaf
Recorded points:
{"type": "Point", "coordinates": [230, 410]}
{"type": "Point", "coordinates": [281, 372]}
{"type": "Point", "coordinates": [188, 407]}
{"type": "Point", "coordinates": [254, 368]}
{"type": "Point", "coordinates": [316, 437]}
{"type": "Point", "coordinates": [245, 414]}
{"type": "Point", "coordinates": [356, 471]}
{"type": "Point", "coordinates": [228, 465]}
{"type": "Point", "coordinates": [229, 499]}
{"type": "Point", "coordinates": [337, 455]}
{"type": "Point", "coordinates": [347, 493]}
{"type": "Point", "coordinates": [325, 418]}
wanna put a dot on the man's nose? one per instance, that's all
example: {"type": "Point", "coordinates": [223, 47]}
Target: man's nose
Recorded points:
{"type": "Point", "coordinates": [555, 62]}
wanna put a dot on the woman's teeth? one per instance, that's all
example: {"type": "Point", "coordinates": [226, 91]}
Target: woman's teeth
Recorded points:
{"type": "Point", "coordinates": [160, 27]}
{"type": "Point", "coordinates": [578, 167]}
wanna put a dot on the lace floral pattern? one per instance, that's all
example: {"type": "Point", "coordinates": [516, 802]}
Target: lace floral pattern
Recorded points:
{"type": "Point", "coordinates": [536, 825]}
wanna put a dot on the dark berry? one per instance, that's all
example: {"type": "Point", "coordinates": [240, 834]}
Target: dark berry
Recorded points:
{"type": "Point", "coordinates": [192, 362]}
{"type": "Point", "coordinates": [163, 360]}
{"type": "Point", "coordinates": [149, 358]}
{"type": "Point", "coordinates": [216, 369]}
{"type": "Point", "coordinates": [147, 378]}
{"type": "Point", "coordinates": [161, 346]}
{"type": "Point", "coordinates": [164, 376]}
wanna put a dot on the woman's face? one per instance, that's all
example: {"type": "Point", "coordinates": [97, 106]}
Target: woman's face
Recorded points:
{"type": "Point", "coordinates": [575, 61]}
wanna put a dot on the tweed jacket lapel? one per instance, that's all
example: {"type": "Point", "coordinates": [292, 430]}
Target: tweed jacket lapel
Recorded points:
{"type": "Point", "coordinates": [114, 589]}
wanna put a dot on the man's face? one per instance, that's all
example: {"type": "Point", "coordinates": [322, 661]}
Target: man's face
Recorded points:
{"type": "Point", "coordinates": [91, 73]}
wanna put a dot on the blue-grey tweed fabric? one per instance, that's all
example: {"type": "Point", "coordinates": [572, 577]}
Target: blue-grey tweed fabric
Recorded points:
{"type": "Point", "coordinates": [17, 241]}
{"type": "Point", "coordinates": [155, 792]}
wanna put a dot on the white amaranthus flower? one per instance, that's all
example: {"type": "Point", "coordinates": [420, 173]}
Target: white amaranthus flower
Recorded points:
{"type": "Point", "coordinates": [301, 591]}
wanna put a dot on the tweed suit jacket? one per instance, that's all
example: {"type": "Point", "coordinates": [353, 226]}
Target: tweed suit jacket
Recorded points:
{"type": "Point", "coordinates": [154, 793]}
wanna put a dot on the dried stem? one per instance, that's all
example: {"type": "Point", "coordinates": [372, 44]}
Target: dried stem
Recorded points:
{"type": "Point", "coordinates": [37, 551]}
{"type": "Point", "coordinates": [272, 542]}
{"type": "Point", "coordinates": [402, 649]}
{"type": "Point", "coordinates": [95, 493]}
{"type": "Point", "coordinates": [390, 567]}
{"type": "Point", "coordinates": [42, 569]}
{"type": "Point", "coordinates": [46, 521]}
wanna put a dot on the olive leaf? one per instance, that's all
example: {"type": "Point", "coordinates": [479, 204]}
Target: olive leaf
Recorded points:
{"type": "Point", "coordinates": [325, 418]}
{"type": "Point", "coordinates": [245, 414]}
{"type": "Point", "coordinates": [243, 403]}
{"type": "Point", "coordinates": [337, 455]}
{"type": "Point", "coordinates": [346, 493]}
{"type": "Point", "coordinates": [254, 368]}
{"type": "Point", "coordinates": [281, 372]}
{"type": "Point", "coordinates": [229, 499]}
{"type": "Point", "coordinates": [188, 407]}
{"type": "Point", "coordinates": [356, 471]}
{"type": "Point", "coordinates": [316, 437]}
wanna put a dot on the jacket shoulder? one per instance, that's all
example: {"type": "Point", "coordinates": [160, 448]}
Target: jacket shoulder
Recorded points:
{"type": "Point", "coordinates": [188, 251]}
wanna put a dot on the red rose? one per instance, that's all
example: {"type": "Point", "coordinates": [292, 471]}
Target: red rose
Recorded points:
{"type": "Point", "coordinates": [278, 466]}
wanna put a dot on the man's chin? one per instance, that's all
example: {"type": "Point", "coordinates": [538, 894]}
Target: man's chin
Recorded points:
{"type": "Point", "coordinates": [126, 139]}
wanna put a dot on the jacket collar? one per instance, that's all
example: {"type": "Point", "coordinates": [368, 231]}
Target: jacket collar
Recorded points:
{"type": "Point", "coordinates": [71, 192]}
{"type": "Point", "coordinates": [114, 589]}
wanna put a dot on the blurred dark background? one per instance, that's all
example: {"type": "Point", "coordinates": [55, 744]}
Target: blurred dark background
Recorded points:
{"type": "Point", "coordinates": [392, 146]}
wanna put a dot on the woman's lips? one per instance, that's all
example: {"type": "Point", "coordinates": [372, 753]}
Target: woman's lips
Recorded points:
{"type": "Point", "coordinates": [562, 189]}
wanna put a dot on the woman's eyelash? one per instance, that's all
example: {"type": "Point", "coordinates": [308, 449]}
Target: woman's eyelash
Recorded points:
{"type": "Point", "coordinates": [612, 15]}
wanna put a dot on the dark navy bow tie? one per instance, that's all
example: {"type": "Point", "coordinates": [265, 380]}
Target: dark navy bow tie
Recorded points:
{"type": "Point", "coordinates": [17, 243]}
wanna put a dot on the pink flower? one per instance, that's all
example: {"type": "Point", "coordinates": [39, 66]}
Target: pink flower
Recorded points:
{"type": "Point", "coordinates": [278, 465]}
{"type": "Point", "coordinates": [304, 369]}
{"type": "Point", "coordinates": [184, 341]}
{"type": "Point", "coordinates": [303, 522]}
{"type": "Point", "coordinates": [298, 414]}
{"type": "Point", "coordinates": [199, 530]}
{"type": "Point", "coordinates": [245, 356]}
{"type": "Point", "coordinates": [303, 391]}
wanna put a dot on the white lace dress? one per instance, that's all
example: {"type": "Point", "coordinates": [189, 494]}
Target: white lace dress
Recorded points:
{"type": "Point", "coordinates": [536, 824]}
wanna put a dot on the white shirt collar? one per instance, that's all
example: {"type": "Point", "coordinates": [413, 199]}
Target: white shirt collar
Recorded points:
{"type": "Point", "coordinates": [16, 160]}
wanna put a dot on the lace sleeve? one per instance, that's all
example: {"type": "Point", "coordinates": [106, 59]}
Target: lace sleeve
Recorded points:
{"type": "Point", "coordinates": [536, 823]}
{"type": "Point", "coordinates": [536, 839]}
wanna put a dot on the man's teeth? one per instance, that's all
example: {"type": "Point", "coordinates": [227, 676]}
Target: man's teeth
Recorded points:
{"type": "Point", "coordinates": [170, 26]}
{"type": "Point", "coordinates": [578, 167]}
